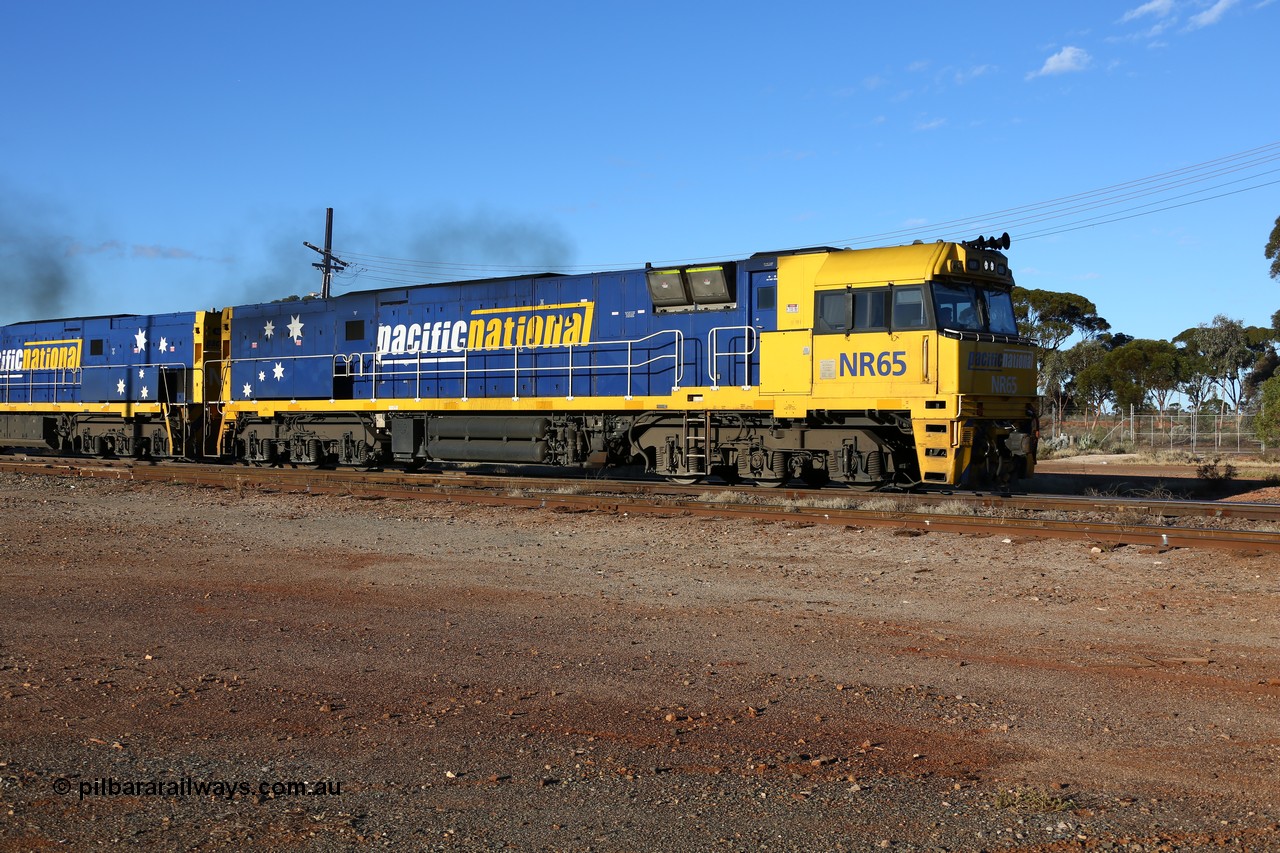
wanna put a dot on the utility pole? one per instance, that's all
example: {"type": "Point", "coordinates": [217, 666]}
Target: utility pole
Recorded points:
{"type": "Point", "coordinates": [331, 262]}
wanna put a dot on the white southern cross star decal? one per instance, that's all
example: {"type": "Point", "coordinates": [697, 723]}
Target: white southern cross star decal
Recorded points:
{"type": "Point", "coordinates": [262, 376]}
{"type": "Point", "coordinates": [269, 329]}
{"type": "Point", "coordinates": [248, 390]}
{"type": "Point", "coordinates": [278, 371]}
{"type": "Point", "coordinates": [140, 340]}
{"type": "Point", "coordinates": [144, 392]}
{"type": "Point", "coordinates": [295, 326]}
{"type": "Point", "coordinates": [120, 387]}
{"type": "Point", "coordinates": [142, 374]}
{"type": "Point", "coordinates": [164, 345]}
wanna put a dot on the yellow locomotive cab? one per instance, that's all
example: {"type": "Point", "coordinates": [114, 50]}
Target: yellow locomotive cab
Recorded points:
{"type": "Point", "coordinates": [918, 338]}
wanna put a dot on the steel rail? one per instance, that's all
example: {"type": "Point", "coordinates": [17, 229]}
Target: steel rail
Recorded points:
{"type": "Point", "coordinates": [462, 490]}
{"type": "Point", "coordinates": [1171, 508]}
{"type": "Point", "coordinates": [1166, 508]}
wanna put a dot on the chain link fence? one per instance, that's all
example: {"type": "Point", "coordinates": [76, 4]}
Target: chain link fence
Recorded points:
{"type": "Point", "coordinates": [1203, 431]}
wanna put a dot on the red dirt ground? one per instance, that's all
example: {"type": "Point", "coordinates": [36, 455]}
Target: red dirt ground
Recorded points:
{"type": "Point", "coordinates": [171, 658]}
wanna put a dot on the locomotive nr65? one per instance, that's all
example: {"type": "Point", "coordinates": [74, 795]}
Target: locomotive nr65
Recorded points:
{"type": "Point", "coordinates": [890, 366]}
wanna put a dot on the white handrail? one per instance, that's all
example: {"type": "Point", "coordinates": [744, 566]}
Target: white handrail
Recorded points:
{"type": "Point", "coordinates": [68, 379]}
{"type": "Point", "coordinates": [415, 367]}
{"type": "Point", "coordinates": [714, 355]}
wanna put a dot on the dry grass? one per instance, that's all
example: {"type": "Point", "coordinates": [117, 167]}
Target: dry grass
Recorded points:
{"type": "Point", "coordinates": [539, 493]}
{"type": "Point", "coordinates": [953, 507]}
{"type": "Point", "coordinates": [886, 503]}
{"type": "Point", "coordinates": [820, 503]}
{"type": "Point", "coordinates": [727, 497]}
{"type": "Point", "coordinates": [1026, 800]}
{"type": "Point", "coordinates": [765, 499]}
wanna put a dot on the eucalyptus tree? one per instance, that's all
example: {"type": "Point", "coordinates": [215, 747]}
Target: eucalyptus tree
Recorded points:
{"type": "Point", "coordinates": [1144, 369]}
{"type": "Point", "coordinates": [1227, 351]}
{"type": "Point", "coordinates": [1273, 254]}
{"type": "Point", "coordinates": [1049, 317]}
{"type": "Point", "coordinates": [1090, 384]}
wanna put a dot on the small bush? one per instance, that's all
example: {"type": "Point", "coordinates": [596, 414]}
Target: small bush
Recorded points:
{"type": "Point", "coordinates": [1216, 471]}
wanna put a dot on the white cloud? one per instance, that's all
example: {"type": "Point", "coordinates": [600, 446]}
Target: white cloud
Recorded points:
{"type": "Point", "coordinates": [964, 76]}
{"type": "Point", "coordinates": [1065, 61]}
{"type": "Point", "coordinates": [1212, 15]}
{"type": "Point", "coordinates": [933, 124]}
{"type": "Point", "coordinates": [1159, 8]}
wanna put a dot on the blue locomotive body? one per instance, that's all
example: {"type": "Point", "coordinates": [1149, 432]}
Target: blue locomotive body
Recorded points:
{"type": "Point", "coordinates": [117, 359]}
{"type": "Point", "coordinates": [549, 336]}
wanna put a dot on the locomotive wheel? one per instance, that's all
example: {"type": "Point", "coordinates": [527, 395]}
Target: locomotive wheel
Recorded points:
{"type": "Point", "coordinates": [685, 481]}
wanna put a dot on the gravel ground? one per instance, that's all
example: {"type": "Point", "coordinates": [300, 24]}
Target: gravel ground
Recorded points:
{"type": "Point", "coordinates": [174, 660]}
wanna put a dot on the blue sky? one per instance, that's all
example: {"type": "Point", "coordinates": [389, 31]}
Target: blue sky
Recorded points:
{"type": "Point", "coordinates": [174, 156]}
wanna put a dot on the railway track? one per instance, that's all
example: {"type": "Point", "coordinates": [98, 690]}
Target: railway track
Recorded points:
{"type": "Point", "coordinates": [1107, 521]}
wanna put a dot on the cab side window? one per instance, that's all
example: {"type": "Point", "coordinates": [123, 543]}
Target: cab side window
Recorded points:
{"type": "Point", "coordinates": [831, 312]}
{"type": "Point", "coordinates": [908, 308]}
{"type": "Point", "coordinates": [870, 310]}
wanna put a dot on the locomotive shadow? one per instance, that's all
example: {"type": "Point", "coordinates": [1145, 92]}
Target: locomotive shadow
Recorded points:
{"type": "Point", "coordinates": [1166, 485]}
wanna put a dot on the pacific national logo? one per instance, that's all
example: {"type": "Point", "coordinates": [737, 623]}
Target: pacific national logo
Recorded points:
{"type": "Point", "coordinates": [568, 324]}
{"type": "Point", "coordinates": [1007, 360]}
{"type": "Point", "coordinates": [42, 355]}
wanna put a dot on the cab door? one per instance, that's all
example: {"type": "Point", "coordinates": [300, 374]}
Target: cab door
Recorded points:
{"type": "Point", "coordinates": [912, 340]}
{"type": "Point", "coordinates": [762, 314]}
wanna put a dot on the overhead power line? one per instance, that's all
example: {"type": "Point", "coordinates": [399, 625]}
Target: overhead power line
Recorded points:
{"type": "Point", "coordinates": [1089, 200]}
{"type": "Point", "coordinates": [1229, 175]}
